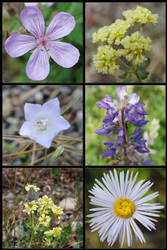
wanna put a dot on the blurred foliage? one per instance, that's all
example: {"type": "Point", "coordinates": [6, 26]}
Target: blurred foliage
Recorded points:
{"type": "Point", "coordinates": [154, 99]}
{"type": "Point", "coordinates": [101, 14]}
{"type": "Point", "coordinates": [154, 239]}
{"type": "Point", "coordinates": [14, 68]}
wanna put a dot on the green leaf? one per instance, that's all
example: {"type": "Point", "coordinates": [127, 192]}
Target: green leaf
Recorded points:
{"type": "Point", "coordinates": [58, 152]}
{"type": "Point", "coordinates": [143, 74]}
{"type": "Point", "coordinates": [124, 75]}
{"type": "Point", "coordinates": [128, 79]}
{"type": "Point", "coordinates": [145, 64]}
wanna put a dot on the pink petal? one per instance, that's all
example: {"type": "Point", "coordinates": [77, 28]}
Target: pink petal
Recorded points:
{"type": "Point", "coordinates": [61, 25]}
{"type": "Point", "coordinates": [52, 106]}
{"type": "Point", "coordinates": [33, 21]}
{"type": "Point", "coordinates": [17, 44]}
{"type": "Point", "coordinates": [38, 65]}
{"type": "Point", "coordinates": [31, 111]}
{"type": "Point", "coordinates": [64, 54]}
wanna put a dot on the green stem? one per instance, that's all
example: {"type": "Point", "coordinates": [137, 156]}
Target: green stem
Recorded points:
{"type": "Point", "coordinates": [45, 156]}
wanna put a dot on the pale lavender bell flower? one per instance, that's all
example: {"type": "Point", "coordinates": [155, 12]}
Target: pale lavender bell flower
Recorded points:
{"type": "Point", "coordinates": [43, 122]}
{"type": "Point", "coordinates": [43, 42]}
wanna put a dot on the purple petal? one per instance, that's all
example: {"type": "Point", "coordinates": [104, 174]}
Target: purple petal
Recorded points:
{"type": "Point", "coordinates": [121, 91]}
{"type": "Point", "coordinates": [133, 98]}
{"type": "Point", "coordinates": [31, 111]}
{"type": "Point", "coordinates": [64, 54]}
{"type": "Point", "coordinates": [33, 21]}
{"type": "Point", "coordinates": [38, 65]}
{"type": "Point", "coordinates": [17, 44]}
{"type": "Point", "coordinates": [52, 106]}
{"type": "Point", "coordinates": [61, 25]}
{"type": "Point", "coordinates": [103, 105]}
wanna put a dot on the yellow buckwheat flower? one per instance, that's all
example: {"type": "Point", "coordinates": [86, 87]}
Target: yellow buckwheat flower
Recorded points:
{"type": "Point", "coordinates": [140, 15]}
{"type": "Point", "coordinates": [55, 232]}
{"type": "Point", "coordinates": [101, 35]}
{"type": "Point", "coordinates": [118, 31]}
{"type": "Point", "coordinates": [105, 60]}
{"type": "Point", "coordinates": [135, 45]}
{"type": "Point", "coordinates": [57, 210]}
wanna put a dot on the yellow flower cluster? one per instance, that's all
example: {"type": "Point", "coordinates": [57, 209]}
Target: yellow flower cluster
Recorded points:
{"type": "Point", "coordinates": [44, 220]}
{"type": "Point", "coordinates": [111, 33]}
{"type": "Point", "coordinates": [134, 47]}
{"type": "Point", "coordinates": [140, 15]}
{"type": "Point", "coordinates": [105, 60]}
{"type": "Point", "coordinates": [55, 232]}
{"type": "Point", "coordinates": [118, 43]}
{"type": "Point", "coordinates": [28, 186]}
{"type": "Point", "coordinates": [30, 207]}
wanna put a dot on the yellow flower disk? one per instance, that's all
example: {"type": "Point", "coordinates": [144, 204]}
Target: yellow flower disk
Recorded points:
{"type": "Point", "coordinates": [140, 15]}
{"type": "Point", "coordinates": [135, 45]}
{"type": "Point", "coordinates": [104, 60]}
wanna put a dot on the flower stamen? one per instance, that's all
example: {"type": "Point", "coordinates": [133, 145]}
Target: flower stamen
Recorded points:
{"type": "Point", "coordinates": [42, 125]}
{"type": "Point", "coordinates": [124, 208]}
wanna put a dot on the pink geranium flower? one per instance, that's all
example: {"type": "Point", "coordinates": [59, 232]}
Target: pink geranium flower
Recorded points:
{"type": "Point", "coordinates": [64, 54]}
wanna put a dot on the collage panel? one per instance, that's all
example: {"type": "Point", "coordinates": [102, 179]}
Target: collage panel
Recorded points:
{"type": "Point", "coordinates": [42, 125]}
{"type": "Point", "coordinates": [42, 208]}
{"type": "Point", "coordinates": [125, 125]}
{"type": "Point", "coordinates": [125, 208]}
{"type": "Point", "coordinates": [125, 42]}
{"type": "Point", "coordinates": [43, 42]}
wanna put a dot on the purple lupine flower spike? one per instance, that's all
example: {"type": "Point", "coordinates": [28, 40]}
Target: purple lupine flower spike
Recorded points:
{"type": "Point", "coordinates": [119, 115]}
{"type": "Point", "coordinates": [43, 43]}
{"type": "Point", "coordinates": [43, 122]}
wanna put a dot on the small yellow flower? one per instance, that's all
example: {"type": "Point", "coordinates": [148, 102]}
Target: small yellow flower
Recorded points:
{"type": "Point", "coordinates": [45, 201]}
{"type": "Point", "coordinates": [55, 232]}
{"type": "Point", "coordinates": [44, 220]}
{"type": "Point", "coordinates": [104, 60]}
{"type": "Point", "coordinates": [28, 186]}
{"type": "Point", "coordinates": [57, 210]}
{"type": "Point", "coordinates": [135, 45]}
{"type": "Point", "coordinates": [140, 15]}
{"type": "Point", "coordinates": [30, 207]}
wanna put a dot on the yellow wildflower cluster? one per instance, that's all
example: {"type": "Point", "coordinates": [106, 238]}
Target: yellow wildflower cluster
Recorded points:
{"type": "Point", "coordinates": [134, 47]}
{"type": "Point", "coordinates": [28, 186]}
{"type": "Point", "coordinates": [44, 220]}
{"type": "Point", "coordinates": [30, 207]}
{"type": "Point", "coordinates": [105, 60]}
{"type": "Point", "coordinates": [118, 43]}
{"type": "Point", "coordinates": [140, 15]}
{"type": "Point", "coordinates": [55, 232]}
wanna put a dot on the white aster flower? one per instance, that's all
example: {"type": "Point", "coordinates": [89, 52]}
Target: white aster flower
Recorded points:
{"type": "Point", "coordinates": [120, 202]}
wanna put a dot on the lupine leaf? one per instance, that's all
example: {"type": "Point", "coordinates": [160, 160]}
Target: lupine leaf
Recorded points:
{"type": "Point", "coordinates": [145, 64]}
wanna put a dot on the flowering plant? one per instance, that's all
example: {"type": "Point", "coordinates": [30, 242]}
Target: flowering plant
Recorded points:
{"type": "Point", "coordinates": [43, 42]}
{"type": "Point", "coordinates": [123, 146]}
{"type": "Point", "coordinates": [124, 48]}
{"type": "Point", "coordinates": [120, 200]}
{"type": "Point", "coordinates": [43, 122]}
{"type": "Point", "coordinates": [41, 213]}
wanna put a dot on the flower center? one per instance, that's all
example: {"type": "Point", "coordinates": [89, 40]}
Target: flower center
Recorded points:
{"type": "Point", "coordinates": [43, 42]}
{"type": "Point", "coordinates": [42, 125]}
{"type": "Point", "coordinates": [124, 208]}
